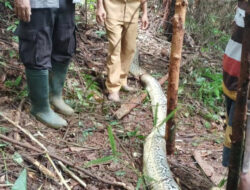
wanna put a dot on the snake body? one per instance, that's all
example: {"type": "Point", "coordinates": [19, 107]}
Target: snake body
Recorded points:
{"type": "Point", "coordinates": [155, 166]}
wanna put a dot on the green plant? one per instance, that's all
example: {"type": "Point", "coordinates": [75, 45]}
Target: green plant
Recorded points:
{"type": "Point", "coordinates": [210, 28]}
{"type": "Point", "coordinates": [87, 132]}
{"type": "Point", "coordinates": [21, 182]}
{"type": "Point", "coordinates": [13, 26]}
{"type": "Point", "coordinates": [109, 158]}
{"type": "Point", "coordinates": [209, 85]}
{"type": "Point", "coordinates": [222, 183]}
{"type": "Point", "coordinates": [136, 134]}
{"type": "Point", "coordinates": [85, 99]}
{"type": "Point", "coordinates": [13, 84]}
{"type": "Point", "coordinates": [7, 4]}
{"type": "Point", "coordinates": [100, 33]}
{"type": "Point", "coordinates": [91, 5]}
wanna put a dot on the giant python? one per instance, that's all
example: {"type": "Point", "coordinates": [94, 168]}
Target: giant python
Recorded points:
{"type": "Point", "coordinates": [155, 166]}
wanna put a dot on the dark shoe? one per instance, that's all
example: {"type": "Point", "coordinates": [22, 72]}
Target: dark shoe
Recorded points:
{"type": "Point", "coordinates": [57, 79]}
{"type": "Point", "coordinates": [114, 96]}
{"type": "Point", "coordinates": [38, 85]}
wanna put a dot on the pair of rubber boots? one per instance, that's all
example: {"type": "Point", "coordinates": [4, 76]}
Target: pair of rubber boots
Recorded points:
{"type": "Point", "coordinates": [44, 88]}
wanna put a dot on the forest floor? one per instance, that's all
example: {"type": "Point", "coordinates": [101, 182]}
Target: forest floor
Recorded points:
{"type": "Point", "coordinates": [196, 163]}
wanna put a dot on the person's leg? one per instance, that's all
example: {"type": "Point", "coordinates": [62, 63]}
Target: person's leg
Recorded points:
{"type": "Point", "coordinates": [35, 51]}
{"type": "Point", "coordinates": [64, 45]}
{"type": "Point", "coordinates": [230, 106]}
{"type": "Point", "coordinates": [128, 46]}
{"type": "Point", "coordinates": [114, 31]}
{"type": "Point", "coordinates": [38, 84]}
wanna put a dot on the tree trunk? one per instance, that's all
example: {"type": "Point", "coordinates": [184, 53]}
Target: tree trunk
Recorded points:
{"type": "Point", "coordinates": [166, 7]}
{"type": "Point", "coordinates": [174, 70]}
{"type": "Point", "coordinates": [239, 118]}
{"type": "Point", "coordinates": [167, 18]}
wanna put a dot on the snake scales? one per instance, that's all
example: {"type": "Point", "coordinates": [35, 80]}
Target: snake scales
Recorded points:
{"type": "Point", "coordinates": [155, 166]}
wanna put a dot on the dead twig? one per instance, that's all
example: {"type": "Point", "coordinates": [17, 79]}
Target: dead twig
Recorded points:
{"type": "Point", "coordinates": [26, 132]}
{"type": "Point", "coordinates": [41, 167]}
{"type": "Point", "coordinates": [73, 165]}
{"type": "Point", "coordinates": [66, 170]}
{"type": "Point", "coordinates": [125, 150]}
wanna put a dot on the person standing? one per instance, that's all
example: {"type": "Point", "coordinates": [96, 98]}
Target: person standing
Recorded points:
{"type": "Point", "coordinates": [121, 21]}
{"type": "Point", "coordinates": [231, 73]}
{"type": "Point", "coordinates": [46, 44]}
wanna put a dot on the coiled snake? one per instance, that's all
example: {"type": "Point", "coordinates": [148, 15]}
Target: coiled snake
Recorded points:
{"type": "Point", "coordinates": [155, 166]}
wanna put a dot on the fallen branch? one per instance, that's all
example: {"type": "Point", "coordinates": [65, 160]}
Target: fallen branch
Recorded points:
{"type": "Point", "coordinates": [41, 145]}
{"type": "Point", "coordinates": [134, 102]}
{"type": "Point", "coordinates": [6, 185]}
{"type": "Point", "coordinates": [66, 170]}
{"type": "Point", "coordinates": [208, 169]}
{"type": "Point", "coordinates": [119, 184]}
{"type": "Point", "coordinates": [41, 167]}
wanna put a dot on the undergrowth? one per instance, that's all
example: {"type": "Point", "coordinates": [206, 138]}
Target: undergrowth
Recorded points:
{"type": "Point", "coordinates": [210, 23]}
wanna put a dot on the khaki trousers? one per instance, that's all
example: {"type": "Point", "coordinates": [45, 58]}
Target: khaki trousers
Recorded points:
{"type": "Point", "coordinates": [122, 45]}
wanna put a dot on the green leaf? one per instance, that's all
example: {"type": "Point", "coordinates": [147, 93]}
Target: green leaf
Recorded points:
{"type": "Point", "coordinates": [86, 133]}
{"type": "Point", "coordinates": [120, 173]}
{"type": "Point", "coordinates": [4, 130]}
{"type": "Point", "coordinates": [155, 115]}
{"type": "Point", "coordinates": [100, 33]}
{"type": "Point", "coordinates": [21, 182]}
{"type": "Point", "coordinates": [139, 183]}
{"type": "Point", "coordinates": [195, 144]}
{"type": "Point", "coordinates": [169, 116]}
{"type": "Point", "coordinates": [3, 64]}
{"type": "Point", "coordinates": [18, 81]}
{"type": "Point", "coordinates": [222, 183]}
{"type": "Point", "coordinates": [17, 158]}
{"type": "Point", "coordinates": [141, 137]}
{"type": "Point", "coordinates": [2, 144]}
{"type": "Point", "coordinates": [207, 125]}
{"type": "Point", "coordinates": [112, 140]}
{"type": "Point", "coordinates": [132, 133]}
{"type": "Point", "coordinates": [98, 161]}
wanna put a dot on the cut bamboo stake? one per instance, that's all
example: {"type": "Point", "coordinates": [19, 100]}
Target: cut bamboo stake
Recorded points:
{"type": "Point", "coordinates": [26, 132]}
{"type": "Point", "coordinates": [174, 70]}
{"type": "Point", "coordinates": [239, 117]}
{"type": "Point", "coordinates": [66, 170]}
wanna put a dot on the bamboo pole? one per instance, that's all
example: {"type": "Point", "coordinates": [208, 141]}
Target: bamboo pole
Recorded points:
{"type": "Point", "coordinates": [239, 118]}
{"type": "Point", "coordinates": [174, 70]}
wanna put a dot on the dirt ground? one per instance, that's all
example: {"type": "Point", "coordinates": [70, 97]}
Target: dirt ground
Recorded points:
{"type": "Point", "coordinates": [86, 137]}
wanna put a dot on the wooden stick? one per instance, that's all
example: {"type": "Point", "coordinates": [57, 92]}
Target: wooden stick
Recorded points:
{"type": "Point", "coordinates": [41, 167]}
{"type": "Point", "coordinates": [6, 185]}
{"type": "Point", "coordinates": [134, 102]}
{"type": "Point", "coordinates": [41, 145]}
{"type": "Point", "coordinates": [73, 165]}
{"type": "Point", "coordinates": [66, 170]}
{"type": "Point", "coordinates": [239, 118]}
{"type": "Point", "coordinates": [174, 70]}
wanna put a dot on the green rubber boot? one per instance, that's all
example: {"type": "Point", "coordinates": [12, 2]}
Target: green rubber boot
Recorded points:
{"type": "Point", "coordinates": [57, 79]}
{"type": "Point", "coordinates": [38, 85]}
